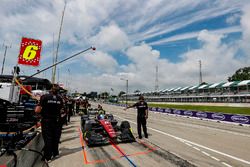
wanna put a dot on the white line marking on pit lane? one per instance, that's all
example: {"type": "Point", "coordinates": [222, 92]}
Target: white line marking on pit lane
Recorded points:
{"type": "Point", "coordinates": [197, 148]}
{"type": "Point", "coordinates": [206, 153]}
{"type": "Point", "coordinates": [215, 158]}
{"type": "Point", "coordinates": [201, 151]}
{"type": "Point", "coordinates": [188, 144]}
{"type": "Point", "coordinates": [193, 143]}
{"type": "Point", "coordinates": [226, 164]}
{"type": "Point", "coordinates": [211, 128]}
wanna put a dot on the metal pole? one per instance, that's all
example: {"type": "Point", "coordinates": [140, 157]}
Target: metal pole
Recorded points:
{"type": "Point", "coordinates": [200, 73]}
{"type": "Point", "coordinates": [156, 79]}
{"type": "Point", "coordinates": [53, 59]}
{"type": "Point", "coordinates": [126, 92]}
{"type": "Point", "coordinates": [4, 57]}
{"type": "Point", "coordinates": [68, 86]}
{"type": "Point", "coordinates": [58, 76]}
{"type": "Point", "coordinates": [6, 47]}
{"type": "Point", "coordinates": [93, 48]}
{"type": "Point", "coordinates": [58, 43]}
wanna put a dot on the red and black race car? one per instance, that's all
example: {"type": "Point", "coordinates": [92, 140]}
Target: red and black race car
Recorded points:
{"type": "Point", "coordinates": [100, 129]}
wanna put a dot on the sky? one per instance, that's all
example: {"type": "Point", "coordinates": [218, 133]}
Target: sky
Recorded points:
{"type": "Point", "coordinates": [132, 38]}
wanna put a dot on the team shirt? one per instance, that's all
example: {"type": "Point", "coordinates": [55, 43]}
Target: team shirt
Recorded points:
{"type": "Point", "coordinates": [141, 106]}
{"type": "Point", "coordinates": [51, 106]}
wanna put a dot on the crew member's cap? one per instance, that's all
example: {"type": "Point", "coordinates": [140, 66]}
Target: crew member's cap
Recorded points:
{"type": "Point", "coordinates": [141, 98]}
{"type": "Point", "coordinates": [55, 88]}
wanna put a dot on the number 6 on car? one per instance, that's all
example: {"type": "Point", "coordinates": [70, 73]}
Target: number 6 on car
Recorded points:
{"type": "Point", "coordinates": [30, 52]}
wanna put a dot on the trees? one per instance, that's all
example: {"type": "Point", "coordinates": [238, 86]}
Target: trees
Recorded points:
{"type": "Point", "coordinates": [104, 95]}
{"type": "Point", "coordinates": [121, 93]}
{"type": "Point", "coordinates": [137, 91]}
{"type": "Point", "coordinates": [240, 75]}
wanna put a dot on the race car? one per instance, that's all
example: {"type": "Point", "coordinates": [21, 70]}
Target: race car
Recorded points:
{"type": "Point", "coordinates": [101, 129]}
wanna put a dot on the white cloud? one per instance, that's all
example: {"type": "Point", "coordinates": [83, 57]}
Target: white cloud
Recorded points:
{"type": "Point", "coordinates": [195, 34]}
{"type": "Point", "coordinates": [102, 61]}
{"type": "Point", "coordinates": [209, 38]}
{"type": "Point", "coordinates": [111, 37]}
{"type": "Point", "coordinates": [115, 26]}
{"type": "Point", "coordinates": [218, 62]}
{"type": "Point", "coordinates": [143, 55]}
{"type": "Point", "coordinates": [217, 8]}
{"type": "Point", "coordinates": [233, 19]}
{"type": "Point", "coordinates": [246, 29]}
{"type": "Point", "coordinates": [100, 83]}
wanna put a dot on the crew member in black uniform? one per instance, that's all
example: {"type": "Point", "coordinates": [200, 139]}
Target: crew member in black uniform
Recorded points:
{"type": "Point", "coordinates": [70, 108]}
{"type": "Point", "coordinates": [78, 102]}
{"type": "Point", "coordinates": [100, 110]}
{"type": "Point", "coordinates": [49, 107]}
{"type": "Point", "coordinates": [3, 113]}
{"type": "Point", "coordinates": [142, 116]}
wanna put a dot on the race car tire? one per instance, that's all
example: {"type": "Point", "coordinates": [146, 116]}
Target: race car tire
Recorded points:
{"type": "Point", "coordinates": [87, 127]}
{"type": "Point", "coordinates": [125, 125]}
{"type": "Point", "coordinates": [83, 120]}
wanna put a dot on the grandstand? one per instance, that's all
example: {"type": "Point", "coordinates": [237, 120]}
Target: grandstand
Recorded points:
{"type": "Point", "coordinates": [222, 92]}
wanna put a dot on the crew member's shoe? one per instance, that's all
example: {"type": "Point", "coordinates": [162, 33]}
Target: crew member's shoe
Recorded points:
{"type": "Point", "coordinates": [56, 155]}
{"type": "Point", "coordinates": [46, 159]}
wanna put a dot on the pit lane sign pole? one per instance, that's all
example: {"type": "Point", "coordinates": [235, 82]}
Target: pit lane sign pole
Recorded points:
{"type": "Point", "coordinates": [74, 55]}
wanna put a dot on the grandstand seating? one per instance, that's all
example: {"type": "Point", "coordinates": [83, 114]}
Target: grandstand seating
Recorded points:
{"type": "Point", "coordinates": [231, 92]}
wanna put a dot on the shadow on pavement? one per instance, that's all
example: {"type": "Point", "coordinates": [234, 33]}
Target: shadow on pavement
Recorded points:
{"type": "Point", "coordinates": [68, 131]}
{"type": "Point", "coordinates": [69, 127]}
{"type": "Point", "coordinates": [68, 139]}
{"type": "Point", "coordinates": [67, 151]}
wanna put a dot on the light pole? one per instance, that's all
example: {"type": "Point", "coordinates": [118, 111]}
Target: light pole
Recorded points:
{"type": "Point", "coordinates": [126, 90]}
{"type": "Point", "coordinates": [4, 56]}
{"type": "Point", "coordinates": [200, 73]}
{"type": "Point", "coordinates": [68, 80]}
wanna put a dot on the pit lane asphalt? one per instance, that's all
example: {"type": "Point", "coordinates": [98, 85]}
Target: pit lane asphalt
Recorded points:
{"type": "Point", "coordinates": [203, 143]}
{"type": "Point", "coordinates": [75, 153]}
{"type": "Point", "coordinates": [173, 141]}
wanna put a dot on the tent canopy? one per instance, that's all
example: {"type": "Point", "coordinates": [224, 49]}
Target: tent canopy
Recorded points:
{"type": "Point", "coordinates": [193, 87]}
{"type": "Point", "coordinates": [243, 83]}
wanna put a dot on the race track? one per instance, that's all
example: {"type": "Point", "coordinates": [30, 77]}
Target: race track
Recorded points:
{"type": "Point", "coordinates": [173, 141]}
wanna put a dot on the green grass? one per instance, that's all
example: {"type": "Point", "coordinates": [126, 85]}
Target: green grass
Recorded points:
{"type": "Point", "coordinates": [222, 109]}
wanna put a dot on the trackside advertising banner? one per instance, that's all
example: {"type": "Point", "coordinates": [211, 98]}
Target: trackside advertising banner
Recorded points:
{"type": "Point", "coordinates": [241, 119]}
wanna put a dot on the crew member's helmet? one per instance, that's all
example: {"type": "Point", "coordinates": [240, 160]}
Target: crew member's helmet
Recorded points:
{"type": "Point", "coordinates": [100, 117]}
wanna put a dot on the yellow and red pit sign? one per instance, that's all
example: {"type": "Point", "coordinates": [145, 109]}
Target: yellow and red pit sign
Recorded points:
{"type": "Point", "coordinates": [30, 52]}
